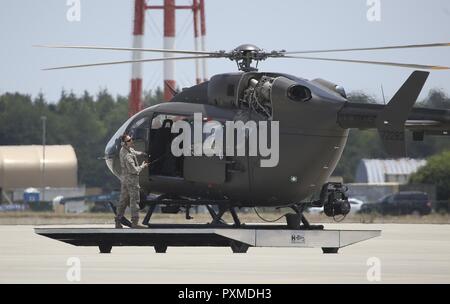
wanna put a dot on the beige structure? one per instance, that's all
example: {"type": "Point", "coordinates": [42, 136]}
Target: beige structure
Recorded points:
{"type": "Point", "coordinates": [22, 167]}
{"type": "Point", "coordinates": [378, 171]}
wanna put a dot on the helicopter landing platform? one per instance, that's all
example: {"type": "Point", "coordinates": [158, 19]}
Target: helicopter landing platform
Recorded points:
{"type": "Point", "coordinates": [239, 239]}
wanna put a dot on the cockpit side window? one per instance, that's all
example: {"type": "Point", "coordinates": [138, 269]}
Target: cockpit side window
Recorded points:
{"type": "Point", "coordinates": [113, 146]}
{"type": "Point", "coordinates": [140, 129]}
{"type": "Point", "coordinates": [164, 120]}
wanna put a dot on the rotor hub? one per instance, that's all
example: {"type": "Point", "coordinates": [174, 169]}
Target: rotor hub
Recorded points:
{"type": "Point", "coordinates": [245, 54]}
{"type": "Point", "coordinates": [248, 48]}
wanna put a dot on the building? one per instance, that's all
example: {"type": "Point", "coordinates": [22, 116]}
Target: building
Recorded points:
{"type": "Point", "coordinates": [379, 171]}
{"type": "Point", "coordinates": [22, 167]}
{"type": "Point", "coordinates": [376, 178]}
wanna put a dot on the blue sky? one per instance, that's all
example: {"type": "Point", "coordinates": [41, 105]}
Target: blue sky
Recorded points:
{"type": "Point", "coordinates": [284, 24]}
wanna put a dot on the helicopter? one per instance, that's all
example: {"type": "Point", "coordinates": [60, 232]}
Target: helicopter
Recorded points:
{"type": "Point", "coordinates": [313, 121]}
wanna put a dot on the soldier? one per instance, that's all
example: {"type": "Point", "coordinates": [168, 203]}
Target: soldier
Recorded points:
{"type": "Point", "coordinates": [129, 191]}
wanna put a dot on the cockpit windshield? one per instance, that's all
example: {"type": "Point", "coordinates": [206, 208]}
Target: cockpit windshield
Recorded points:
{"type": "Point", "coordinates": [113, 145]}
{"type": "Point", "coordinates": [139, 130]}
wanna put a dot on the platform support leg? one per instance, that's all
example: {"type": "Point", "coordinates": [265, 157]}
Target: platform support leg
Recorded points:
{"type": "Point", "coordinates": [160, 248]}
{"type": "Point", "coordinates": [330, 250]}
{"type": "Point", "coordinates": [105, 248]}
{"type": "Point", "coordinates": [238, 247]}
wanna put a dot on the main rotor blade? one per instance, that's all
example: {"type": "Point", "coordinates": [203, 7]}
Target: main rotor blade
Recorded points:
{"type": "Point", "coordinates": [79, 47]}
{"type": "Point", "coordinates": [374, 48]}
{"type": "Point", "coordinates": [123, 62]}
{"type": "Point", "coordinates": [402, 65]}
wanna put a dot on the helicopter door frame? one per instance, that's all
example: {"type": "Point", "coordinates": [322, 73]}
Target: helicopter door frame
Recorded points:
{"type": "Point", "coordinates": [189, 168]}
{"type": "Point", "coordinates": [163, 163]}
{"type": "Point", "coordinates": [139, 132]}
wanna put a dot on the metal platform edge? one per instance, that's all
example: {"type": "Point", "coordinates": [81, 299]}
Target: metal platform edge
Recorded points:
{"type": "Point", "coordinates": [209, 237]}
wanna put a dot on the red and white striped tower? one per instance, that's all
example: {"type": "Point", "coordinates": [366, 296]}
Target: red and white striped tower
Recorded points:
{"type": "Point", "coordinates": [135, 104]}
{"type": "Point", "coordinates": [196, 14]}
{"type": "Point", "coordinates": [169, 7]}
{"type": "Point", "coordinates": [169, 43]}
{"type": "Point", "coordinates": [203, 41]}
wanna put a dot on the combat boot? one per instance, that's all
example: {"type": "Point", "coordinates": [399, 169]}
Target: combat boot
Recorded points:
{"type": "Point", "coordinates": [135, 224]}
{"type": "Point", "coordinates": [118, 223]}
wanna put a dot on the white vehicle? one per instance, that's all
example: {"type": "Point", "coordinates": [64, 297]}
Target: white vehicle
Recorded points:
{"type": "Point", "coordinates": [354, 203]}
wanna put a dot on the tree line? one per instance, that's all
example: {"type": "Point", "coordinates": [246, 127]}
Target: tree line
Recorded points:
{"type": "Point", "coordinates": [88, 121]}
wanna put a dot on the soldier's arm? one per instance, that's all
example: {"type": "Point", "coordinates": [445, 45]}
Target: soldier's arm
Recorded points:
{"type": "Point", "coordinates": [138, 153]}
{"type": "Point", "coordinates": [132, 168]}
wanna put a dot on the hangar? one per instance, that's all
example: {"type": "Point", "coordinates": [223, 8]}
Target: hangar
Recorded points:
{"type": "Point", "coordinates": [23, 167]}
{"type": "Point", "coordinates": [379, 171]}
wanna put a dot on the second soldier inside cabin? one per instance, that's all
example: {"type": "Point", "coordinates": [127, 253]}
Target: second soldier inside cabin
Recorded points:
{"type": "Point", "coordinates": [129, 190]}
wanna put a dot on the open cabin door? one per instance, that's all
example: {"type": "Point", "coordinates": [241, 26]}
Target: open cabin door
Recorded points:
{"type": "Point", "coordinates": [192, 168]}
{"type": "Point", "coordinates": [163, 162]}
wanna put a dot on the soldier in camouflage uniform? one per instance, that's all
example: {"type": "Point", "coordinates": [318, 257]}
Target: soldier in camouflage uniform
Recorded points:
{"type": "Point", "coordinates": [129, 192]}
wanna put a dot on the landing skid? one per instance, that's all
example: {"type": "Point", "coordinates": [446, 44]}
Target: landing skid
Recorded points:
{"type": "Point", "coordinates": [294, 221]}
{"type": "Point", "coordinates": [216, 216]}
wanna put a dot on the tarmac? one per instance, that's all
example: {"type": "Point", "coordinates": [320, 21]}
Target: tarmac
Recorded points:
{"type": "Point", "coordinates": [418, 253]}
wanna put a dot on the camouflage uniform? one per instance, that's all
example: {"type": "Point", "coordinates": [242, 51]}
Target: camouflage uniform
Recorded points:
{"type": "Point", "coordinates": [129, 192]}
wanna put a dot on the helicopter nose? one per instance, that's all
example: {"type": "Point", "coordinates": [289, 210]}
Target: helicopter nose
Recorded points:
{"type": "Point", "coordinates": [112, 164]}
{"type": "Point", "coordinates": [112, 156]}
{"type": "Point", "coordinates": [114, 145]}
{"type": "Point", "coordinates": [112, 150]}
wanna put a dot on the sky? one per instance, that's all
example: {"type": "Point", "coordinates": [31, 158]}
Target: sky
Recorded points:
{"type": "Point", "coordinates": [272, 25]}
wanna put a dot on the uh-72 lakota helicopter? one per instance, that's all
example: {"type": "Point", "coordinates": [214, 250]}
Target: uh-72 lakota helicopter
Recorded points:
{"type": "Point", "coordinates": [313, 119]}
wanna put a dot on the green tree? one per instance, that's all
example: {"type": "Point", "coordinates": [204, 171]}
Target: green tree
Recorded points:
{"type": "Point", "coordinates": [361, 97]}
{"type": "Point", "coordinates": [152, 98]}
{"type": "Point", "coordinates": [435, 172]}
{"type": "Point", "coordinates": [437, 99]}
{"type": "Point", "coordinates": [19, 119]}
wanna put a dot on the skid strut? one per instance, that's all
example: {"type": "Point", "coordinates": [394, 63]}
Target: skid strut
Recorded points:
{"type": "Point", "coordinates": [124, 221]}
{"type": "Point", "coordinates": [217, 217]}
{"type": "Point", "coordinates": [294, 221]}
{"type": "Point", "coordinates": [149, 214]}
{"type": "Point", "coordinates": [299, 221]}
